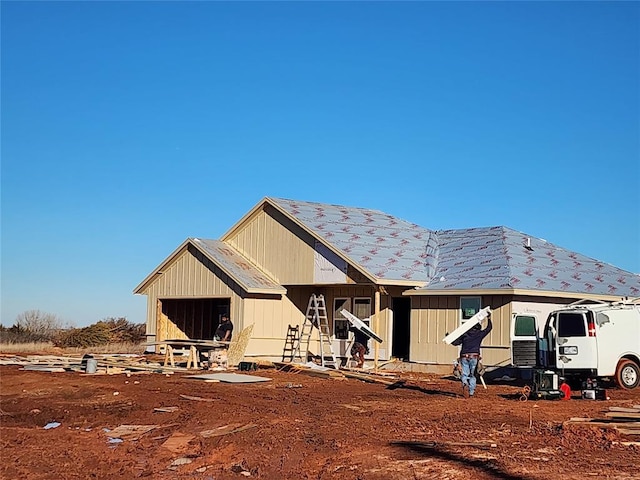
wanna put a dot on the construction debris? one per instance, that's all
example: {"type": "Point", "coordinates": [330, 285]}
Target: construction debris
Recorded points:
{"type": "Point", "coordinates": [165, 409]}
{"type": "Point", "coordinates": [310, 369]}
{"type": "Point", "coordinates": [226, 429]}
{"type": "Point", "coordinates": [178, 442]}
{"type": "Point", "coordinates": [198, 399]}
{"type": "Point", "coordinates": [106, 364]}
{"type": "Point", "coordinates": [624, 420]}
{"type": "Point", "coordinates": [130, 432]}
{"type": "Point", "coordinates": [228, 378]}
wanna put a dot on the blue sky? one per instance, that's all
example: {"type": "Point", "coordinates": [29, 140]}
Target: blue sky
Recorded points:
{"type": "Point", "coordinates": [129, 126]}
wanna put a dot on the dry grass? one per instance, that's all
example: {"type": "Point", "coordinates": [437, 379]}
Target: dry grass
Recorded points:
{"type": "Point", "coordinates": [49, 348]}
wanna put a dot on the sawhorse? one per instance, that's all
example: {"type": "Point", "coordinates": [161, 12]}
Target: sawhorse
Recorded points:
{"type": "Point", "coordinates": [192, 359]}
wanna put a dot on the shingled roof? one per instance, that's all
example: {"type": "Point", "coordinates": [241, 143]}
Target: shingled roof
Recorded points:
{"type": "Point", "coordinates": [492, 258]}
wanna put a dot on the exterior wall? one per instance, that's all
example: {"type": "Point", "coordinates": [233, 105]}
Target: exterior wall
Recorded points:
{"type": "Point", "coordinates": [191, 275]}
{"type": "Point", "coordinates": [281, 248]}
{"type": "Point", "coordinates": [433, 317]}
{"type": "Point", "coordinates": [278, 246]}
{"type": "Point", "coordinates": [271, 318]}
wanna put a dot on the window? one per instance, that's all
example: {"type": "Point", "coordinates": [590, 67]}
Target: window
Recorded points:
{"type": "Point", "coordinates": [341, 324]}
{"type": "Point", "coordinates": [469, 306]}
{"type": "Point", "coordinates": [571, 325]}
{"type": "Point", "coordinates": [362, 308]}
{"type": "Point", "coordinates": [525, 326]}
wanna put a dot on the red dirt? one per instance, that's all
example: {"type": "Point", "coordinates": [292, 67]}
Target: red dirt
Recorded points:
{"type": "Point", "coordinates": [325, 429]}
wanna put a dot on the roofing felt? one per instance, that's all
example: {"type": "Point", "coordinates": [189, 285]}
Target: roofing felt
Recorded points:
{"type": "Point", "coordinates": [234, 264]}
{"type": "Point", "coordinates": [464, 259]}
{"type": "Point", "coordinates": [502, 258]}
{"type": "Point", "coordinates": [385, 246]}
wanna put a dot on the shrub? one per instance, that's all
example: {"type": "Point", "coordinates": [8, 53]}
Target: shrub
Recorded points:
{"type": "Point", "coordinates": [31, 326]}
{"type": "Point", "coordinates": [110, 330]}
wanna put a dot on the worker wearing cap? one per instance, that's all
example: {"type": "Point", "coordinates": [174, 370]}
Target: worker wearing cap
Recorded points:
{"type": "Point", "coordinates": [470, 355]}
{"type": "Point", "coordinates": [224, 331]}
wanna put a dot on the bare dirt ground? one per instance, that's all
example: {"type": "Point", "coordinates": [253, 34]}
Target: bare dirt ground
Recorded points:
{"type": "Point", "coordinates": [319, 429]}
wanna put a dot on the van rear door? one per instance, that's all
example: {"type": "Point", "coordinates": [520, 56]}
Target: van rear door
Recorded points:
{"type": "Point", "coordinates": [576, 346]}
{"type": "Point", "coordinates": [524, 340]}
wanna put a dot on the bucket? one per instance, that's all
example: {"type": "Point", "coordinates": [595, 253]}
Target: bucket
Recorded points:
{"type": "Point", "coordinates": [92, 365]}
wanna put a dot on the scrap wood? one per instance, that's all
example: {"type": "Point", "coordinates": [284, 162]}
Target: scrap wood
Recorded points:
{"type": "Point", "coordinates": [130, 432]}
{"type": "Point", "coordinates": [228, 378]}
{"type": "Point", "coordinates": [227, 429]}
{"type": "Point", "coordinates": [626, 410]}
{"type": "Point", "coordinates": [178, 442]}
{"type": "Point", "coordinates": [368, 378]}
{"type": "Point", "coordinates": [627, 428]}
{"type": "Point", "coordinates": [622, 414]}
{"type": "Point", "coordinates": [199, 399]}
{"type": "Point", "coordinates": [316, 372]}
{"type": "Point", "coordinates": [165, 409]}
{"type": "Point", "coordinates": [143, 366]}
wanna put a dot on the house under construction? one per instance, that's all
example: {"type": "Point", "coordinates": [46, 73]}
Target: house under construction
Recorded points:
{"type": "Point", "coordinates": [412, 285]}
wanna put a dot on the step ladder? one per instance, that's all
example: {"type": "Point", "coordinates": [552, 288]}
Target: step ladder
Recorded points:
{"type": "Point", "coordinates": [316, 317]}
{"type": "Point", "coordinates": [291, 341]}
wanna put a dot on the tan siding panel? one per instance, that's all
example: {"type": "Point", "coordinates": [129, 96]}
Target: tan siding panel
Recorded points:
{"type": "Point", "coordinates": [433, 317]}
{"type": "Point", "coordinates": [278, 246]}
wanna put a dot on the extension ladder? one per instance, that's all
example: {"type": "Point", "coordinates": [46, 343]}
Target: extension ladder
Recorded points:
{"type": "Point", "coordinates": [316, 317]}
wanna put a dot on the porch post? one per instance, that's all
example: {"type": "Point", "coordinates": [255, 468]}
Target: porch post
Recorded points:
{"type": "Point", "coordinates": [376, 321]}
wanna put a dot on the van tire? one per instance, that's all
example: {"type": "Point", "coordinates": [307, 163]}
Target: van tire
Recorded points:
{"type": "Point", "coordinates": [628, 374]}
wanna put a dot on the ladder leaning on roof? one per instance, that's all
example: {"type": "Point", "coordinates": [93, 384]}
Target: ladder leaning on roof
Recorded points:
{"type": "Point", "coordinates": [316, 317]}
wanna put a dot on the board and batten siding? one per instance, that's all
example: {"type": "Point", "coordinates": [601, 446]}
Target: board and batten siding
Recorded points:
{"type": "Point", "coordinates": [432, 317]}
{"type": "Point", "coordinates": [271, 319]}
{"type": "Point", "coordinates": [280, 247]}
{"type": "Point", "coordinates": [191, 275]}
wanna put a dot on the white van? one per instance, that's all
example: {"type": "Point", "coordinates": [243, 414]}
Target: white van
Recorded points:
{"type": "Point", "coordinates": [587, 340]}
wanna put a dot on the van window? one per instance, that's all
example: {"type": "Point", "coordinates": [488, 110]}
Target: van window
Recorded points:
{"type": "Point", "coordinates": [571, 325]}
{"type": "Point", "coordinates": [525, 326]}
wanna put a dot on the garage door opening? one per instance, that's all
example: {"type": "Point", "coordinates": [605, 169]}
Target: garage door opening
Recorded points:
{"type": "Point", "coordinates": [193, 318]}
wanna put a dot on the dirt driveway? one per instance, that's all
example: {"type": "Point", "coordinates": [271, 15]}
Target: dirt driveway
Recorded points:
{"type": "Point", "coordinates": [298, 427]}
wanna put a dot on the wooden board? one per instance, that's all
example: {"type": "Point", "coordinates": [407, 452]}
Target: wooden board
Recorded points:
{"type": "Point", "coordinates": [466, 326]}
{"type": "Point", "coordinates": [360, 325]}
{"type": "Point", "coordinates": [229, 378]}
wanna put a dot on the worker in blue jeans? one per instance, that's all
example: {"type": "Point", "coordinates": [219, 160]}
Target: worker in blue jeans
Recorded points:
{"type": "Point", "coordinates": [470, 355]}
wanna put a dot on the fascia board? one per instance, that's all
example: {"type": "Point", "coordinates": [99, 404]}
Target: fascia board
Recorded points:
{"type": "Point", "coordinates": [512, 291]}
{"type": "Point", "coordinates": [245, 218]}
{"type": "Point", "coordinates": [390, 282]}
{"type": "Point", "coordinates": [421, 292]}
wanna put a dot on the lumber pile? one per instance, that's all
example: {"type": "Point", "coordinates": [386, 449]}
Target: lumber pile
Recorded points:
{"type": "Point", "coordinates": [625, 420]}
{"type": "Point", "coordinates": [309, 369]}
{"type": "Point", "coordinates": [106, 364]}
